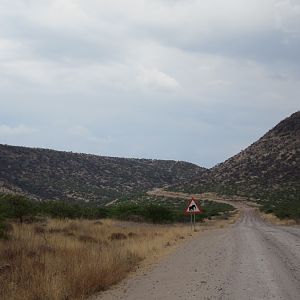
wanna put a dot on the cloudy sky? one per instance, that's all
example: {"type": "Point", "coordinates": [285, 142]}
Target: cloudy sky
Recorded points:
{"type": "Point", "coordinates": [194, 80]}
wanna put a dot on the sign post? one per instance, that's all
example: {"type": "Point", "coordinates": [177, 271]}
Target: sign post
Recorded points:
{"type": "Point", "coordinates": [193, 209]}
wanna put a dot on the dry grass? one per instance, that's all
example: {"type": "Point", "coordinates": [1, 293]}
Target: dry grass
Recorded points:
{"type": "Point", "coordinates": [74, 259]}
{"type": "Point", "coordinates": [270, 218]}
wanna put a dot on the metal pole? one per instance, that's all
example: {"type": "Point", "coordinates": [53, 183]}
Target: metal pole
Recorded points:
{"type": "Point", "coordinates": [191, 222]}
{"type": "Point", "coordinates": [194, 222]}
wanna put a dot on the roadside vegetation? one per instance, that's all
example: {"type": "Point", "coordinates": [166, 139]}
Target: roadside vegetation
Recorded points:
{"type": "Point", "coordinates": [283, 203]}
{"type": "Point", "coordinates": [139, 208]}
{"type": "Point", "coordinates": [55, 250]}
{"type": "Point", "coordinates": [281, 207]}
{"type": "Point", "coordinates": [156, 208]}
{"type": "Point", "coordinates": [71, 259]}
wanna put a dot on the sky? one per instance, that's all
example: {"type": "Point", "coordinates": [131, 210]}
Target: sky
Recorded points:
{"type": "Point", "coordinates": [192, 80]}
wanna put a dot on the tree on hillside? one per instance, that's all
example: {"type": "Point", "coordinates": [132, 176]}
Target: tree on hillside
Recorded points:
{"type": "Point", "coordinates": [16, 206]}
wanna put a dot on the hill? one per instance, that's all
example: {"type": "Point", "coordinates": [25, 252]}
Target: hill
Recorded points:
{"type": "Point", "coordinates": [268, 170]}
{"type": "Point", "coordinates": [49, 174]}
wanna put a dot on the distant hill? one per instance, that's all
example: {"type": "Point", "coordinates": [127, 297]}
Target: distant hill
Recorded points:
{"type": "Point", "coordinates": [269, 169]}
{"type": "Point", "coordinates": [49, 174]}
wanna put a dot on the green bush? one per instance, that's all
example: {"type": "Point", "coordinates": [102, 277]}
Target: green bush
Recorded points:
{"type": "Point", "coordinates": [151, 213]}
{"type": "Point", "coordinates": [282, 208]}
{"type": "Point", "coordinates": [140, 208]}
{"type": "Point", "coordinates": [158, 214]}
{"type": "Point", "coordinates": [19, 207]}
{"type": "Point", "coordinates": [16, 206]}
{"type": "Point", "coordinates": [4, 228]}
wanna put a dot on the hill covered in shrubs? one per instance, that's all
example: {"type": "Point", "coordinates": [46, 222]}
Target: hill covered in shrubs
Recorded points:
{"type": "Point", "coordinates": [56, 175]}
{"type": "Point", "coordinates": [267, 171]}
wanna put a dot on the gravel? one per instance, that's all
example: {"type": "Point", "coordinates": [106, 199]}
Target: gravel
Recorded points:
{"type": "Point", "coordinates": [248, 260]}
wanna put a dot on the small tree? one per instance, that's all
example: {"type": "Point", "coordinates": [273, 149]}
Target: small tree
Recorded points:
{"type": "Point", "coordinates": [158, 214]}
{"type": "Point", "coordinates": [4, 229]}
{"type": "Point", "coordinates": [20, 207]}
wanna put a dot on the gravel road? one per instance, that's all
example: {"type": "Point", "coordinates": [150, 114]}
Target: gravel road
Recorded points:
{"type": "Point", "coordinates": [249, 260]}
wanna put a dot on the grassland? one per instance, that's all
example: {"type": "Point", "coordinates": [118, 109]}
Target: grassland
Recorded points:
{"type": "Point", "coordinates": [57, 251]}
{"type": "Point", "coordinates": [72, 259]}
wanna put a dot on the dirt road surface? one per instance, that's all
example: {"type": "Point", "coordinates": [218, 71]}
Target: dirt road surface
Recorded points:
{"type": "Point", "coordinates": [248, 260]}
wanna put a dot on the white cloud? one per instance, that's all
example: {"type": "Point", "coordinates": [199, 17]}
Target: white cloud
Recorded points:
{"type": "Point", "coordinates": [84, 134]}
{"type": "Point", "coordinates": [157, 79]}
{"type": "Point", "coordinates": [79, 131]}
{"type": "Point", "coordinates": [287, 13]}
{"type": "Point", "coordinates": [20, 130]}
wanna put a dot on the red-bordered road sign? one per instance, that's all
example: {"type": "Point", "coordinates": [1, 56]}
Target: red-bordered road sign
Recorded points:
{"type": "Point", "coordinates": [193, 208]}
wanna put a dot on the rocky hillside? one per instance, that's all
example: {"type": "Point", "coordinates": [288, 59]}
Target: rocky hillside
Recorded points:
{"type": "Point", "coordinates": [268, 169]}
{"type": "Point", "coordinates": [49, 174]}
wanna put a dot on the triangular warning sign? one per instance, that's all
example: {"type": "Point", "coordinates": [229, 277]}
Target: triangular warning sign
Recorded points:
{"type": "Point", "coordinates": [193, 207]}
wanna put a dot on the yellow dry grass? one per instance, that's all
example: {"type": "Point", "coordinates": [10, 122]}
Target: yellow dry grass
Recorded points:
{"type": "Point", "coordinates": [270, 218]}
{"type": "Point", "coordinates": [74, 259]}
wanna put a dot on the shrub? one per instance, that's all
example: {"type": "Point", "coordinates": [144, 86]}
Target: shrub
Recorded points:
{"type": "Point", "coordinates": [98, 223]}
{"type": "Point", "coordinates": [118, 236]}
{"type": "Point", "coordinates": [158, 214]}
{"type": "Point", "coordinates": [16, 206]}
{"type": "Point", "coordinates": [5, 228]}
{"type": "Point", "coordinates": [132, 234]}
{"type": "Point", "coordinates": [39, 229]}
{"type": "Point", "coordinates": [87, 239]}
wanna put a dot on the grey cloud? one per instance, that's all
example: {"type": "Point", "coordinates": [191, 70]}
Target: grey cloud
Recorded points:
{"type": "Point", "coordinates": [63, 46]}
{"type": "Point", "coordinates": [154, 79]}
{"type": "Point", "coordinates": [263, 45]}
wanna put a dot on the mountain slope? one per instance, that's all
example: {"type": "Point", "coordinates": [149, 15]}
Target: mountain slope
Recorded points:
{"type": "Point", "coordinates": [49, 174]}
{"type": "Point", "coordinates": [268, 169]}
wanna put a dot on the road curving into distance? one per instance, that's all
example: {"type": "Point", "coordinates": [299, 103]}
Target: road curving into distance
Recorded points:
{"type": "Point", "coordinates": [250, 259]}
